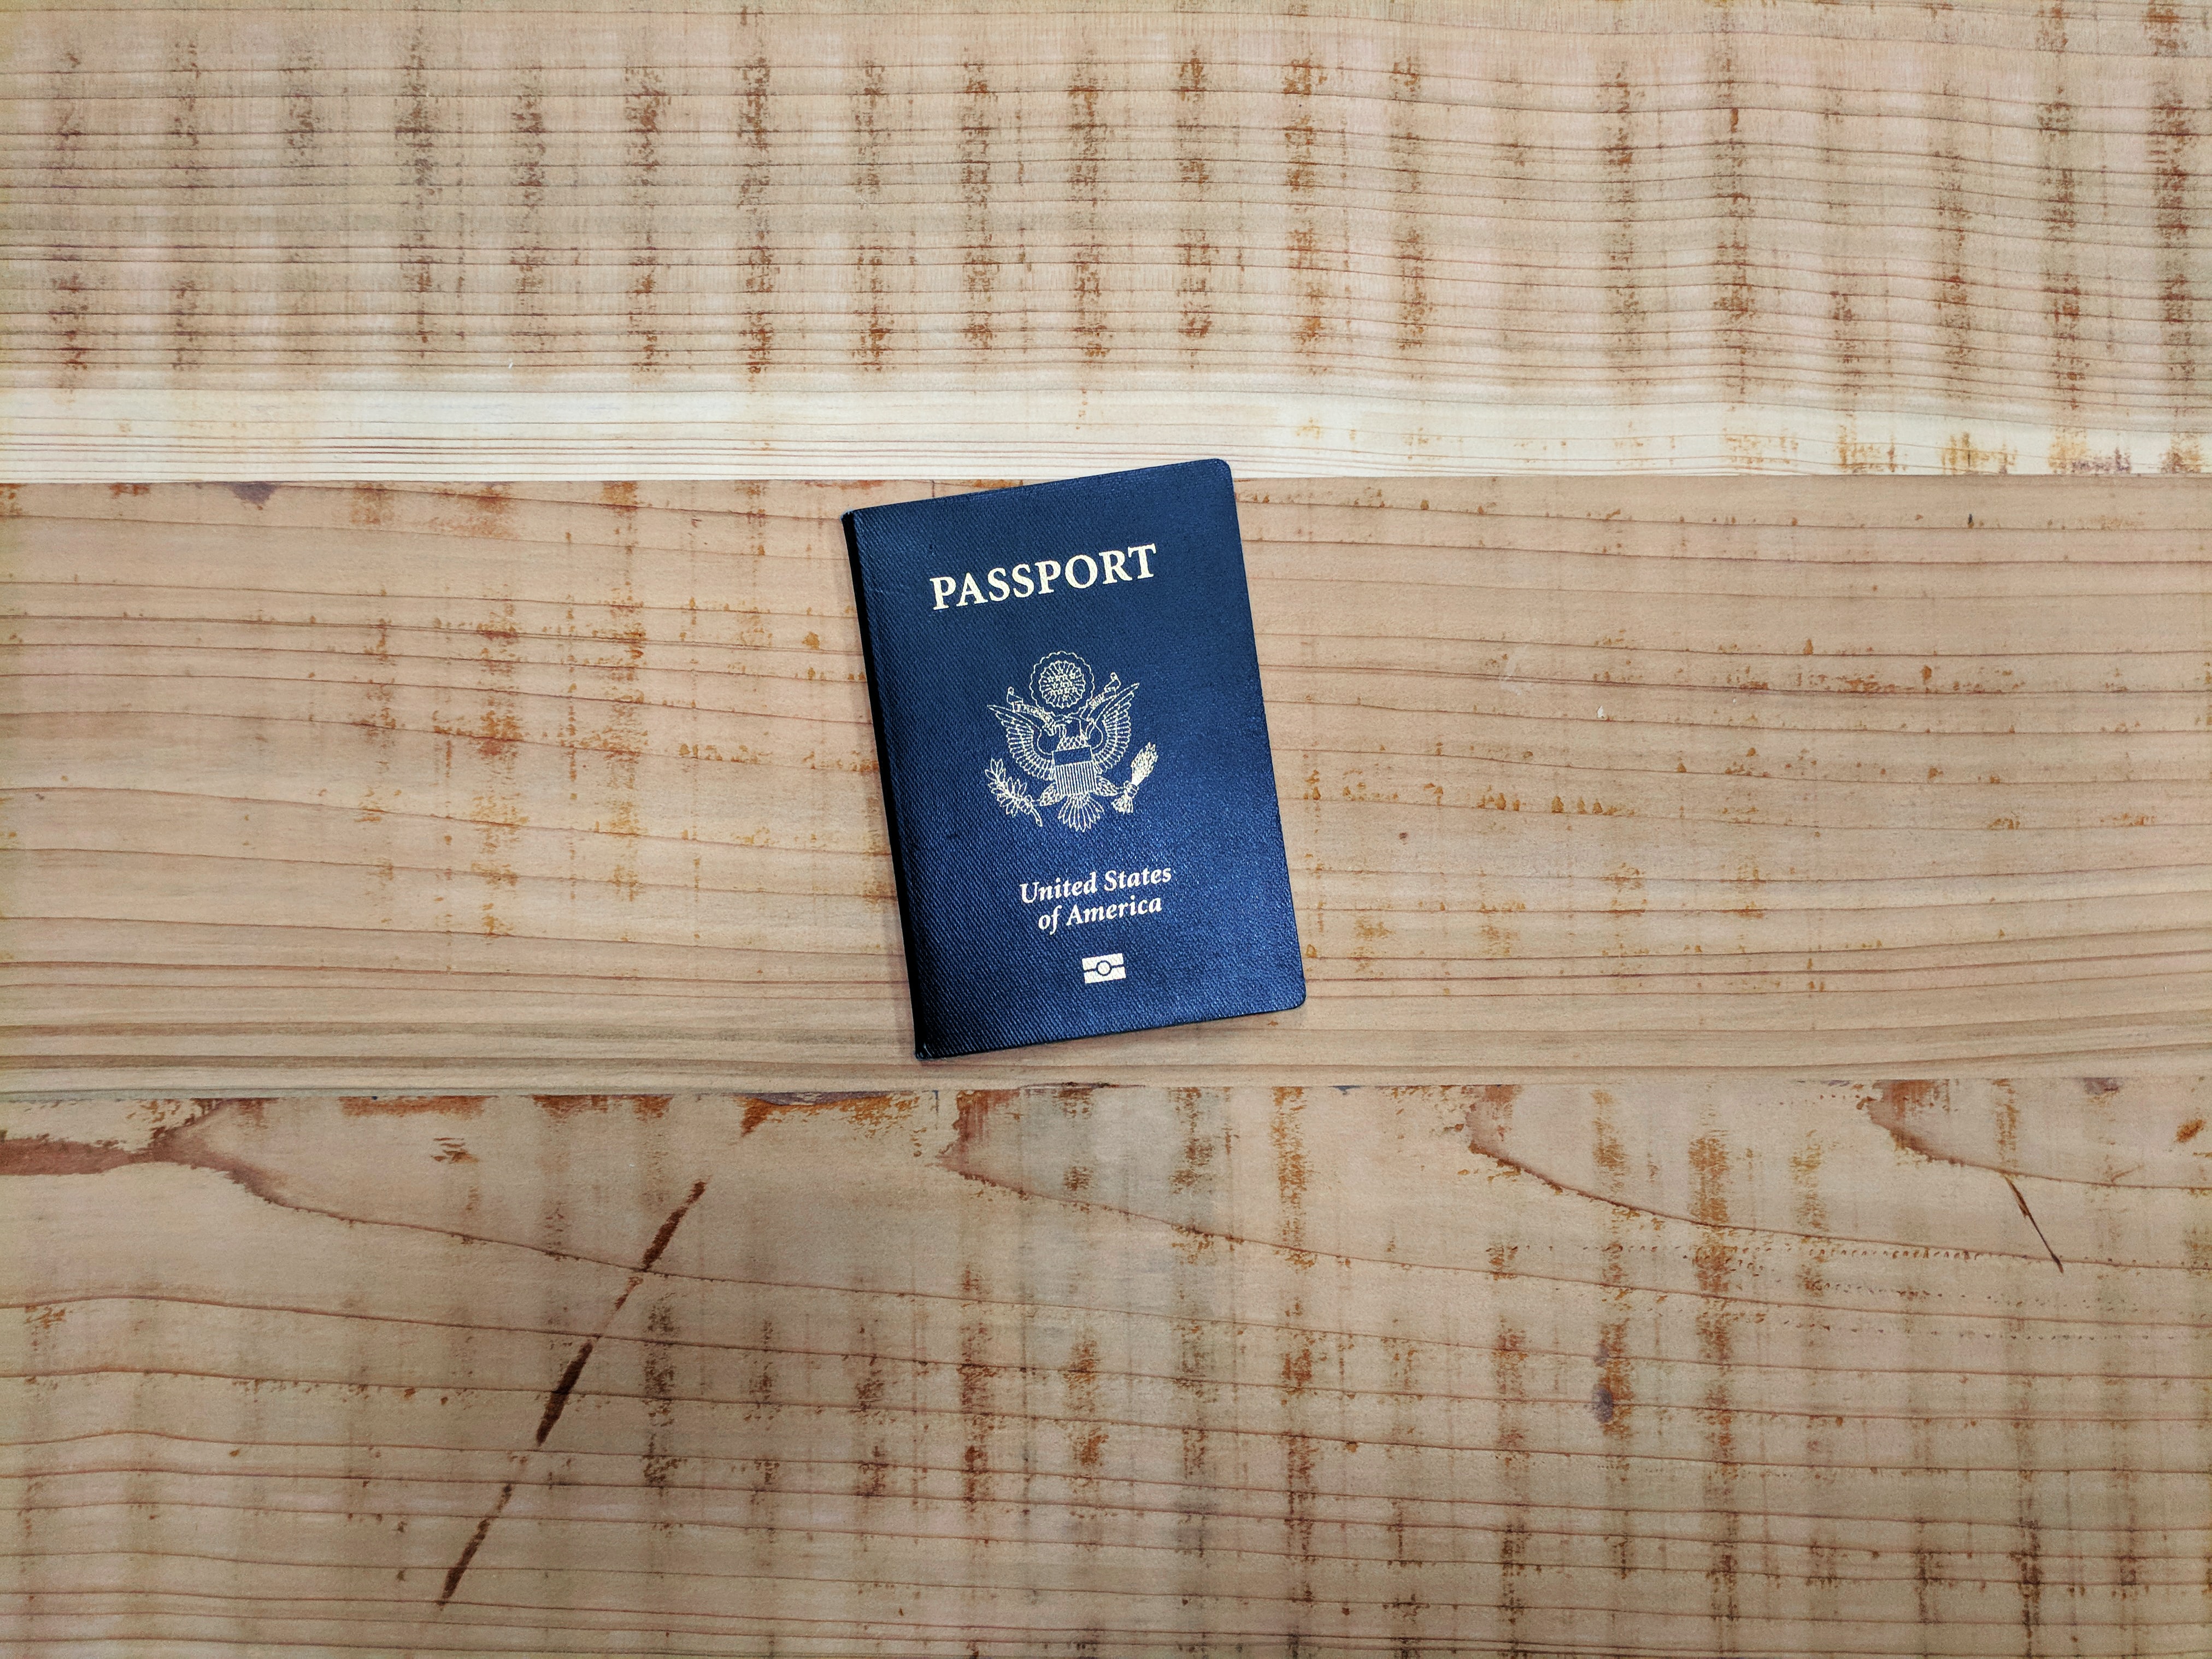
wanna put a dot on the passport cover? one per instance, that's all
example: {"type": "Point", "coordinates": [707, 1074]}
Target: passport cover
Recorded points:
{"type": "Point", "coordinates": [1074, 759]}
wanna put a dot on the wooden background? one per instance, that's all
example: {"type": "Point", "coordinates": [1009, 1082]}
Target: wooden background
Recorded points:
{"type": "Point", "coordinates": [1657, 1367]}
{"type": "Point", "coordinates": [809, 240]}
{"type": "Point", "coordinates": [575, 787]}
{"type": "Point", "coordinates": [1739, 1185]}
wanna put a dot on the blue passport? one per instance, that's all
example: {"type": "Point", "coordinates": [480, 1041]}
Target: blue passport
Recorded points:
{"type": "Point", "coordinates": [1074, 759]}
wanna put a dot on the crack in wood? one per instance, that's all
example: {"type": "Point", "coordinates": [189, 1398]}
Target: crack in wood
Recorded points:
{"type": "Point", "coordinates": [557, 1401]}
{"type": "Point", "coordinates": [2020, 1199]}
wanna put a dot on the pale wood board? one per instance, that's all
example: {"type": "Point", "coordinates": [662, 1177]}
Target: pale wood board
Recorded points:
{"type": "Point", "coordinates": [1655, 1368]}
{"type": "Point", "coordinates": [330, 811]}
{"type": "Point", "coordinates": [574, 789]}
{"type": "Point", "coordinates": [468, 241]}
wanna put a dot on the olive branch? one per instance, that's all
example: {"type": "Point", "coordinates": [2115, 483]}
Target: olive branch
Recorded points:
{"type": "Point", "coordinates": [1012, 797]}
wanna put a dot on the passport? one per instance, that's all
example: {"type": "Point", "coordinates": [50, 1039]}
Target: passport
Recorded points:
{"type": "Point", "coordinates": [1074, 759]}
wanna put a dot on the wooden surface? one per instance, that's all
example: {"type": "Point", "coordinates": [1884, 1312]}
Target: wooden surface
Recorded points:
{"type": "Point", "coordinates": [465, 1187]}
{"type": "Point", "coordinates": [804, 240]}
{"type": "Point", "coordinates": [573, 787]}
{"type": "Point", "coordinates": [1651, 1368]}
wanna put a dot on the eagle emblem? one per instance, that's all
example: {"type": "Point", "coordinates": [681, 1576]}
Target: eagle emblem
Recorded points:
{"type": "Point", "coordinates": [1066, 734]}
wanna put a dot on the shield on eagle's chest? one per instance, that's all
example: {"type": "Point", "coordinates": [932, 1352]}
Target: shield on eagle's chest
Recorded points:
{"type": "Point", "coordinates": [1076, 784]}
{"type": "Point", "coordinates": [1074, 774]}
{"type": "Point", "coordinates": [1074, 778]}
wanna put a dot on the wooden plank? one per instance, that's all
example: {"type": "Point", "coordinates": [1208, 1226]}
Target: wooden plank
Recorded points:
{"type": "Point", "coordinates": [1644, 1368]}
{"type": "Point", "coordinates": [808, 240]}
{"type": "Point", "coordinates": [573, 788]}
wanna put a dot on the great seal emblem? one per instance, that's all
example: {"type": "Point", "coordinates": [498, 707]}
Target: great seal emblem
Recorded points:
{"type": "Point", "coordinates": [1067, 735]}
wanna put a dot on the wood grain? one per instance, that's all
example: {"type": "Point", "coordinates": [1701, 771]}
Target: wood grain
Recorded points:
{"type": "Point", "coordinates": [573, 787]}
{"type": "Point", "coordinates": [399, 878]}
{"type": "Point", "coordinates": [1650, 1368]}
{"type": "Point", "coordinates": [808, 241]}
